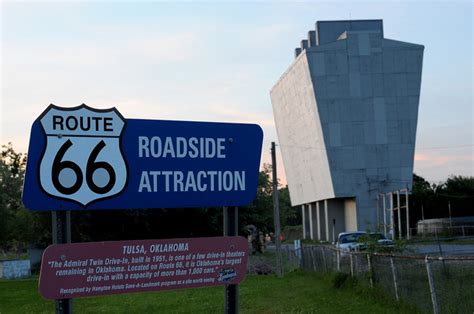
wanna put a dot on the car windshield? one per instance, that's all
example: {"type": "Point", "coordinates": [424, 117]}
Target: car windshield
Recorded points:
{"type": "Point", "coordinates": [349, 238]}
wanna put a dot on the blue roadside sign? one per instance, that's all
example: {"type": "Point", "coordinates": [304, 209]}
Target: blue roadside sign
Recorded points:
{"type": "Point", "coordinates": [82, 158]}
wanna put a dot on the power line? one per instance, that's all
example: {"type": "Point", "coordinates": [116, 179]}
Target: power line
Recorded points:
{"type": "Point", "coordinates": [416, 148]}
{"type": "Point", "coordinates": [443, 147]}
{"type": "Point", "coordinates": [455, 196]}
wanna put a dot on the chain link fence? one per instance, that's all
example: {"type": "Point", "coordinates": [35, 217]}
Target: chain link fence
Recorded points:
{"type": "Point", "coordinates": [433, 284]}
{"type": "Point", "coordinates": [442, 232]}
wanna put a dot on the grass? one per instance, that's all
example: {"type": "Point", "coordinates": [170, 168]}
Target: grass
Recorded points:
{"type": "Point", "coordinates": [297, 292]}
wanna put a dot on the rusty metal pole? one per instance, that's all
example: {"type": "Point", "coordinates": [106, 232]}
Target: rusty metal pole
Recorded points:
{"type": "Point", "coordinates": [231, 292]}
{"type": "Point", "coordinates": [276, 213]}
{"type": "Point", "coordinates": [61, 225]}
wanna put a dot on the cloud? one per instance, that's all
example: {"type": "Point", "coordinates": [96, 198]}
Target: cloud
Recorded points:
{"type": "Point", "coordinates": [146, 49]}
{"type": "Point", "coordinates": [438, 165]}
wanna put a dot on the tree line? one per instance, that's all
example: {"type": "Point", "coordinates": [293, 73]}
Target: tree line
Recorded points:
{"type": "Point", "coordinates": [21, 228]}
{"type": "Point", "coordinates": [454, 197]}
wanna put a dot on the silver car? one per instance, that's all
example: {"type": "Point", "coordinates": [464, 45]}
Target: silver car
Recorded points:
{"type": "Point", "coordinates": [349, 241]}
{"type": "Point", "coordinates": [359, 241]}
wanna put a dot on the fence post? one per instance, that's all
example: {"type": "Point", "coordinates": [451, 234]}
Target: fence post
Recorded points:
{"type": "Point", "coordinates": [434, 298]}
{"type": "Point", "coordinates": [338, 260]}
{"type": "Point", "coordinates": [392, 265]}
{"type": "Point", "coordinates": [312, 258]}
{"type": "Point", "coordinates": [302, 261]}
{"type": "Point", "coordinates": [291, 258]}
{"type": "Point", "coordinates": [352, 264]}
{"type": "Point", "coordinates": [324, 258]}
{"type": "Point", "coordinates": [463, 233]}
{"type": "Point", "coordinates": [371, 273]}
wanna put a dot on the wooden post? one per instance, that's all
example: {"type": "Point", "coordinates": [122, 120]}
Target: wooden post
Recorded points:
{"type": "Point", "coordinates": [352, 264]}
{"type": "Point", "coordinates": [302, 261]}
{"type": "Point", "coordinates": [338, 260]}
{"type": "Point", "coordinates": [434, 298]}
{"type": "Point", "coordinates": [324, 258]}
{"type": "Point", "coordinates": [394, 275]}
{"type": "Point", "coordinates": [312, 258]}
{"type": "Point", "coordinates": [371, 273]}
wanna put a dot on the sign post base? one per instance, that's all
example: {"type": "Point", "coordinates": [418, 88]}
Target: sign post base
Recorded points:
{"type": "Point", "coordinates": [231, 293]}
{"type": "Point", "coordinates": [61, 223]}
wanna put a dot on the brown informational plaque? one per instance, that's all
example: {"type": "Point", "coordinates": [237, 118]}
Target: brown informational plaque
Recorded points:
{"type": "Point", "coordinates": [103, 268]}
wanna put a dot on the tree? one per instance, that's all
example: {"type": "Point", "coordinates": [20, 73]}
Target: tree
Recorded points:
{"type": "Point", "coordinates": [15, 220]}
{"type": "Point", "coordinates": [260, 212]}
{"type": "Point", "coordinates": [456, 192]}
{"type": "Point", "coordinates": [20, 227]}
{"type": "Point", "coordinates": [423, 195]}
{"type": "Point", "coordinates": [290, 216]}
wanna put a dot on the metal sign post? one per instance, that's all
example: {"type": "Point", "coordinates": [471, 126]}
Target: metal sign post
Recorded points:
{"type": "Point", "coordinates": [61, 223]}
{"type": "Point", "coordinates": [276, 213]}
{"type": "Point", "coordinates": [231, 293]}
{"type": "Point", "coordinates": [83, 158]}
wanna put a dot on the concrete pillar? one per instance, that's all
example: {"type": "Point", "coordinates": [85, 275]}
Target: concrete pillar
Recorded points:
{"type": "Point", "coordinates": [326, 221]}
{"type": "Point", "coordinates": [408, 215]}
{"type": "Point", "coordinates": [384, 216]}
{"type": "Point", "coordinates": [399, 212]}
{"type": "Point", "coordinates": [310, 216]}
{"type": "Point", "coordinates": [303, 218]}
{"type": "Point", "coordinates": [314, 233]}
{"type": "Point", "coordinates": [392, 220]}
{"type": "Point", "coordinates": [318, 215]}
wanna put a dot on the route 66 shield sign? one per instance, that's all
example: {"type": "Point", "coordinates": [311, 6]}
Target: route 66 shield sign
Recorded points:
{"type": "Point", "coordinates": [82, 160]}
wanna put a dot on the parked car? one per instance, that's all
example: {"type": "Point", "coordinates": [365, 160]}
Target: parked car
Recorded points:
{"type": "Point", "coordinates": [377, 240]}
{"type": "Point", "coordinates": [359, 241]}
{"type": "Point", "coordinates": [349, 241]}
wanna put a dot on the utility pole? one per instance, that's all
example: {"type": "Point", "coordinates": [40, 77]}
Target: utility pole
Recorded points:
{"type": "Point", "coordinates": [276, 213]}
{"type": "Point", "coordinates": [450, 219]}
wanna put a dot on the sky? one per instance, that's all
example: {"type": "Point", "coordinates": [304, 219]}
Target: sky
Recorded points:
{"type": "Point", "coordinates": [217, 61]}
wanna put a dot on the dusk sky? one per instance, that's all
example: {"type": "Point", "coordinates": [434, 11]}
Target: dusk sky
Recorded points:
{"type": "Point", "coordinates": [210, 61]}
